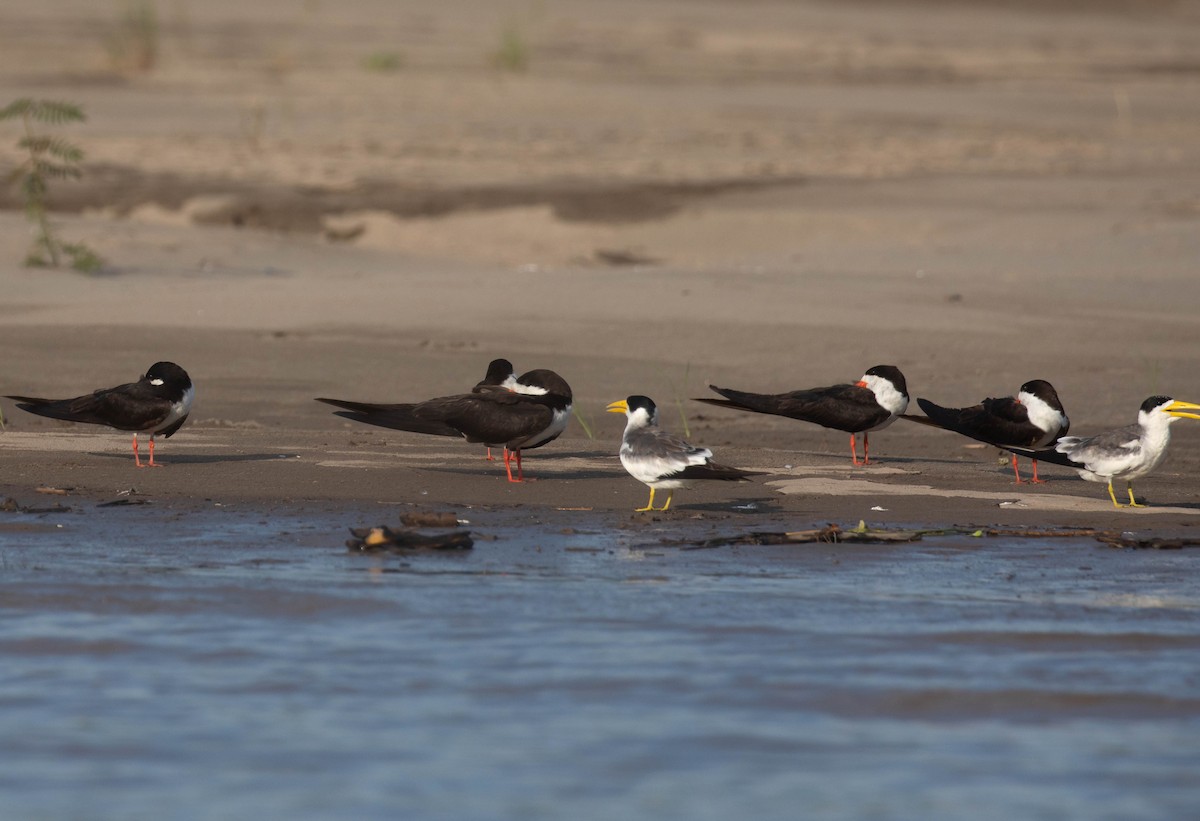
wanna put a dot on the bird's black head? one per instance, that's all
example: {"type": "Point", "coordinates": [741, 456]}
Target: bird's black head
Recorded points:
{"type": "Point", "coordinates": [498, 370]}
{"type": "Point", "coordinates": [168, 378]}
{"type": "Point", "coordinates": [892, 374]}
{"type": "Point", "coordinates": [1043, 390]}
{"type": "Point", "coordinates": [546, 381]}
{"type": "Point", "coordinates": [638, 402]}
{"type": "Point", "coordinates": [1155, 402]}
{"type": "Point", "coordinates": [639, 410]}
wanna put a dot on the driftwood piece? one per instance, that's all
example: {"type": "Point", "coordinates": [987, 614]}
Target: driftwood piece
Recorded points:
{"type": "Point", "coordinates": [830, 534]}
{"type": "Point", "coordinates": [383, 539]}
{"type": "Point", "coordinates": [833, 533]}
{"type": "Point", "coordinates": [10, 505]}
{"type": "Point", "coordinates": [1148, 542]}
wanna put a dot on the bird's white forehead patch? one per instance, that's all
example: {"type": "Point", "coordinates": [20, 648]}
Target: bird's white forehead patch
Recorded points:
{"type": "Point", "coordinates": [156, 382]}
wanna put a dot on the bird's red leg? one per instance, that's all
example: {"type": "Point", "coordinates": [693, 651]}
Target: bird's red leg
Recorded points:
{"type": "Point", "coordinates": [866, 448]}
{"type": "Point", "coordinates": [489, 456]}
{"type": "Point", "coordinates": [1017, 472]}
{"type": "Point", "coordinates": [153, 463]}
{"type": "Point", "coordinates": [508, 454]}
{"type": "Point", "coordinates": [137, 460]}
{"type": "Point", "coordinates": [854, 451]}
{"type": "Point", "coordinates": [1035, 478]}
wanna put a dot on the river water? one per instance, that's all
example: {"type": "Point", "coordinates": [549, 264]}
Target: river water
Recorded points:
{"type": "Point", "coordinates": [241, 664]}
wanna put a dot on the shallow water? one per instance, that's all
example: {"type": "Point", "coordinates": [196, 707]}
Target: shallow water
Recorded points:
{"type": "Point", "coordinates": [225, 664]}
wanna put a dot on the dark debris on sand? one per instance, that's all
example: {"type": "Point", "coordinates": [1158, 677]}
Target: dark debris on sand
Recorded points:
{"type": "Point", "coordinates": [1128, 540]}
{"type": "Point", "coordinates": [10, 505]}
{"type": "Point", "coordinates": [383, 539]}
{"type": "Point", "coordinates": [833, 533]}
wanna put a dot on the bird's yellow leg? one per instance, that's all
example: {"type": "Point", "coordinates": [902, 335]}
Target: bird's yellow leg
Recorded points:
{"type": "Point", "coordinates": [1132, 501]}
{"type": "Point", "coordinates": [649, 504]}
{"type": "Point", "coordinates": [1114, 496]}
{"type": "Point", "coordinates": [670, 496]}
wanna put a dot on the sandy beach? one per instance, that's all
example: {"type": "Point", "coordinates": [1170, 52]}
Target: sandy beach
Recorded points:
{"type": "Point", "coordinates": [372, 199]}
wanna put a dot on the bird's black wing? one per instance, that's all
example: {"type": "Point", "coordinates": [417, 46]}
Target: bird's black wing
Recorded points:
{"type": "Point", "coordinates": [490, 417]}
{"type": "Point", "coordinates": [126, 407]}
{"type": "Point", "coordinates": [841, 407]}
{"type": "Point", "coordinates": [995, 421]}
{"type": "Point", "coordinates": [396, 417]}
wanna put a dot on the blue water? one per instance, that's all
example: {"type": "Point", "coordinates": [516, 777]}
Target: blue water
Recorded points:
{"type": "Point", "coordinates": [237, 664]}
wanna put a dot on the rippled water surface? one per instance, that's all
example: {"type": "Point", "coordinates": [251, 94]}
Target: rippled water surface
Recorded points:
{"type": "Point", "coordinates": [230, 664]}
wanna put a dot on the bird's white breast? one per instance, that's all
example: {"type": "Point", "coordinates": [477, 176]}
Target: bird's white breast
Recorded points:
{"type": "Point", "coordinates": [558, 423]}
{"type": "Point", "coordinates": [1046, 418]}
{"type": "Point", "coordinates": [179, 409]}
{"type": "Point", "coordinates": [890, 399]}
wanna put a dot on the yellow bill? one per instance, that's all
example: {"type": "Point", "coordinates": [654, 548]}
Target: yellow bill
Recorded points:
{"type": "Point", "coordinates": [1177, 408]}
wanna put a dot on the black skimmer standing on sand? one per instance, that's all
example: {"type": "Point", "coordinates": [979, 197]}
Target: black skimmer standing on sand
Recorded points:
{"type": "Point", "coordinates": [660, 459]}
{"type": "Point", "coordinates": [157, 404]}
{"type": "Point", "coordinates": [1125, 453]}
{"type": "Point", "coordinates": [1033, 419]}
{"type": "Point", "coordinates": [871, 403]}
{"type": "Point", "coordinates": [538, 414]}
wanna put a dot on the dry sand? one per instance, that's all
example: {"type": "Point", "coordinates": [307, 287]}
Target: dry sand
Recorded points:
{"type": "Point", "coordinates": [761, 195]}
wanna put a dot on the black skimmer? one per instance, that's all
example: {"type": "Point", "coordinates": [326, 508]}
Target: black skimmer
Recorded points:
{"type": "Point", "coordinates": [1125, 453]}
{"type": "Point", "coordinates": [660, 459]}
{"type": "Point", "coordinates": [1033, 419]}
{"type": "Point", "coordinates": [157, 404]}
{"type": "Point", "coordinates": [499, 376]}
{"type": "Point", "coordinates": [871, 403]}
{"type": "Point", "coordinates": [527, 417]}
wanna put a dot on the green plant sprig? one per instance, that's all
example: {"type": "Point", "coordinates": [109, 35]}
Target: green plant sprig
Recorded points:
{"type": "Point", "coordinates": [47, 158]}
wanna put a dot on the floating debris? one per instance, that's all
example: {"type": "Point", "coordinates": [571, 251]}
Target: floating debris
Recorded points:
{"type": "Point", "coordinates": [1128, 540]}
{"type": "Point", "coordinates": [126, 502]}
{"type": "Point", "coordinates": [10, 505]}
{"type": "Point", "coordinates": [833, 533]}
{"type": "Point", "coordinates": [429, 520]}
{"type": "Point", "coordinates": [385, 540]}
{"type": "Point", "coordinates": [53, 491]}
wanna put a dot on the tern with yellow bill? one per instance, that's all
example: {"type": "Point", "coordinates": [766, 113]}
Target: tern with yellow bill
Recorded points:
{"type": "Point", "coordinates": [1125, 453]}
{"type": "Point", "coordinates": [662, 460]}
